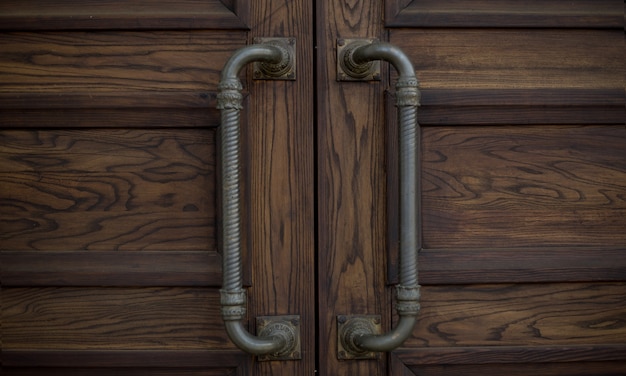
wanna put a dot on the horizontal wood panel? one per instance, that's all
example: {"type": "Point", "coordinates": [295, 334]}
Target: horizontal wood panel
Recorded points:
{"type": "Point", "coordinates": [516, 361]}
{"type": "Point", "coordinates": [521, 106]}
{"type": "Point", "coordinates": [523, 265]}
{"type": "Point", "coordinates": [523, 186]}
{"type": "Point", "coordinates": [100, 268]}
{"type": "Point", "coordinates": [515, 58]}
{"type": "Point", "coordinates": [521, 315]}
{"type": "Point", "coordinates": [503, 355]}
{"type": "Point", "coordinates": [116, 109]}
{"type": "Point", "coordinates": [106, 231]}
{"type": "Point", "coordinates": [121, 359]}
{"type": "Point", "coordinates": [505, 13]}
{"type": "Point", "coordinates": [142, 14]}
{"type": "Point", "coordinates": [140, 371]}
{"type": "Point", "coordinates": [525, 369]}
{"type": "Point", "coordinates": [156, 155]}
{"type": "Point", "coordinates": [110, 118]}
{"type": "Point", "coordinates": [108, 190]}
{"type": "Point", "coordinates": [114, 61]}
{"type": "Point", "coordinates": [112, 318]}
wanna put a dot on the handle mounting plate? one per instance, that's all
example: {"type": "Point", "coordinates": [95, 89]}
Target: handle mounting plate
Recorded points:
{"type": "Point", "coordinates": [286, 70]}
{"type": "Point", "coordinates": [348, 70]}
{"type": "Point", "coordinates": [287, 327]}
{"type": "Point", "coordinates": [350, 327]}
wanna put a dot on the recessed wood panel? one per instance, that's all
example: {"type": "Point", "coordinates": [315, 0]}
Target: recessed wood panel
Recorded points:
{"type": "Point", "coordinates": [112, 79]}
{"type": "Point", "coordinates": [521, 315]}
{"type": "Point", "coordinates": [523, 186]}
{"type": "Point", "coordinates": [126, 363]}
{"type": "Point", "coordinates": [108, 189]}
{"type": "Point", "coordinates": [112, 318]}
{"type": "Point", "coordinates": [136, 14]}
{"type": "Point", "coordinates": [110, 268]}
{"type": "Point", "coordinates": [504, 13]}
{"type": "Point", "coordinates": [114, 61]}
{"type": "Point", "coordinates": [515, 58]}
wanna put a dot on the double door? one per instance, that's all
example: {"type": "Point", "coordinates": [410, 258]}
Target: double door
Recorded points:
{"type": "Point", "coordinates": [111, 259]}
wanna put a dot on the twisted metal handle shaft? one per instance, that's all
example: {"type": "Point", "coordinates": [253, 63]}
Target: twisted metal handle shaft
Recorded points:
{"type": "Point", "coordinates": [407, 100]}
{"type": "Point", "coordinates": [229, 102]}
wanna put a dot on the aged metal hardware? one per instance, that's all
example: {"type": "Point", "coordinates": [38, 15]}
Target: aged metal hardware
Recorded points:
{"type": "Point", "coordinates": [275, 340]}
{"type": "Point", "coordinates": [360, 53]}
{"type": "Point", "coordinates": [348, 69]}
{"type": "Point", "coordinates": [349, 328]}
{"type": "Point", "coordinates": [283, 70]}
{"type": "Point", "coordinates": [287, 327]}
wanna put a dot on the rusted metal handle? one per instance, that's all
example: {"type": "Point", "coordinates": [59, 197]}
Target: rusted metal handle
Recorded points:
{"type": "Point", "coordinates": [229, 102]}
{"type": "Point", "coordinates": [362, 339]}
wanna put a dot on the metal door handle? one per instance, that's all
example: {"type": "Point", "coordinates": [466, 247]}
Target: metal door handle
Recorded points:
{"type": "Point", "coordinates": [356, 337]}
{"type": "Point", "coordinates": [276, 57]}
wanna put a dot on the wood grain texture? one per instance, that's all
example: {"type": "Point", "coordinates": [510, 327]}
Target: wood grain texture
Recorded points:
{"type": "Point", "coordinates": [504, 13]}
{"type": "Point", "coordinates": [524, 186]}
{"type": "Point", "coordinates": [503, 355]}
{"type": "Point", "coordinates": [140, 14]}
{"type": "Point", "coordinates": [117, 360]}
{"type": "Point", "coordinates": [112, 78]}
{"type": "Point", "coordinates": [515, 58]}
{"type": "Point", "coordinates": [545, 369]}
{"type": "Point", "coordinates": [110, 268]}
{"type": "Point", "coordinates": [522, 106]}
{"type": "Point", "coordinates": [112, 318]}
{"type": "Point", "coordinates": [114, 61]}
{"type": "Point", "coordinates": [115, 109]}
{"type": "Point", "coordinates": [351, 186]}
{"type": "Point", "coordinates": [521, 315]}
{"type": "Point", "coordinates": [279, 144]}
{"type": "Point", "coordinates": [521, 265]}
{"type": "Point", "coordinates": [108, 190]}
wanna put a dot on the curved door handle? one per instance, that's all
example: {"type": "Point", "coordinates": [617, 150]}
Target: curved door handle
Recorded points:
{"type": "Point", "coordinates": [275, 57]}
{"type": "Point", "coordinates": [358, 337]}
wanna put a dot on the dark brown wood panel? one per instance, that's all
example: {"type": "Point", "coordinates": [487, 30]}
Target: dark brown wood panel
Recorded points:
{"type": "Point", "coordinates": [112, 318]}
{"type": "Point", "coordinates": [110, 268]}
{"type": "Point", "coordinates": [10, 371]}
{"type": "Point", "coordinates": [515, 58]}
{"type": "Point", "coordinates": [520, 265]}
{"type": "Point", "coordinates": [131, 363]}
{"type": "Point", "coordinates": [521, 106]}
{"type": "Point", "coordinates": [119, 14]}
{"type": "Point", "coordinates": [114, 61]}
{"type": "Point", "coordinates": [108, 190]}
{"type": "Point", "coordinates": [521, 315]}
{"type": "Point", "coordinates": [524, 186]}
{"type": "Point", "coordinates": [518, 361]}
{"type": "Point", "coordinates": [351, 190]}
{"type": "Point", "coordinates": [504, 13]}
{"type": "Point", "coordinates": [112, 78]}
{"type": "Point", "coordinates": [279, 173]}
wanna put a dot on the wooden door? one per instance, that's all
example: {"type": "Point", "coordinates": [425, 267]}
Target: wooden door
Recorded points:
{"type": "Point", "coordinates": [523, 179]}
{"type": "Point", "coordinates": [110, 258]}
